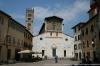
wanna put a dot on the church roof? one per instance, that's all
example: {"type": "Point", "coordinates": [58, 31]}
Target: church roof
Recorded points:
{"type": "Point", "coordinates": [43, 27]}
{"type": "Point", "coordinates": [53, 17]}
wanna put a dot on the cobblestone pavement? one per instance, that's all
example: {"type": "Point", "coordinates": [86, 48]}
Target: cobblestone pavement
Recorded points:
{"type": "Point", "coordinates": [45, 63]}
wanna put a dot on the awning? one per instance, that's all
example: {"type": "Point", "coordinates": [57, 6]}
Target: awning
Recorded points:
{"type": "Point", "coordinates": [29, 51]}
{"type": "Point", "coordinates": [25, 51]}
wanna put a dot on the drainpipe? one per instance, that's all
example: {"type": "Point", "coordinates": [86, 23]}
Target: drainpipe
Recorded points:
{"type": "Point", "coordinates": [6, 43]}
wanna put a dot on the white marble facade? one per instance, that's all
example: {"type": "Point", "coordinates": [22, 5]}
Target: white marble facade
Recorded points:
{"type": "Point", "coordinates": [59, 44]}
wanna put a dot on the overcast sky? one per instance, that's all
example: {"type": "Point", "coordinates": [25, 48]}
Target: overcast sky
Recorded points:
{"type": "Point", "coordinates": [72, 11]}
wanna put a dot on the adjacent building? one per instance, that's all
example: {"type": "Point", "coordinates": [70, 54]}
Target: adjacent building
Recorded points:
{"type": "Point", "coordinates": [77, 41]}
{"type": "Point", "coordinates": [51, 40]}
{"type": "Point", "coordinates": [4, 18]}
{"type": "Point", "coordinates": [90, 33]}
{"type": "Point", "coordinates": [12, 38]}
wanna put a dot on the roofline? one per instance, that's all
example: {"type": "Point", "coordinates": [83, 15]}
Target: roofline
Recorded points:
{"type": "Point", "coordinates": [61, 32]}
{"type": "Point", "coordinates": [29, 32]}
{"type": "Point", "coordinates": [43, 25]}
{"type": "Point", "coordinates": [89, 10]}
{"type": "Point", "coordinates": [90, 20]}
{"type": "Point", "coordinates": [78, 24]}
{"type": "Point", "coordinates": [5, 13]}
{"type": "Point", "coordinates": [22, 26]}
{"type": "Point", "coordinates": [46, 18]}
{"type": "Point", "coordinates": [68, 35]}
{"type": "Point", "coordinates": [38, 34]}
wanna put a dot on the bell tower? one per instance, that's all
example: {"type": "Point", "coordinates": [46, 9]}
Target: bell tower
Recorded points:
{"type": "Point", "coordinates": [29, 19]}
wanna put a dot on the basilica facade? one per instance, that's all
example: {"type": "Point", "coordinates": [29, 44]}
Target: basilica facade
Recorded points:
{"type": "Point", "coordinates": [51, 41]}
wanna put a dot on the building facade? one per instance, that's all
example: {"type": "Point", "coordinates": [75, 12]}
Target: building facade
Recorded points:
{"type": "Point", "coordinates": [51, 41]}
{"type": "Point", "coordinates": [77, 41]}
{"type": "Point", "coordinates": [12, 38]}
{"type": "Point", "coordinates": [90, 38]}
{"type": "Point", "coordinates": [3, 32]}
{"type": "Point", "coordinates": [90, 34]}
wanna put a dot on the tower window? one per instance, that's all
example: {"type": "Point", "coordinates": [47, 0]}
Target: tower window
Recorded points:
{"type": "Point", "coordinates": [29, 24]}
{"type": "Point", "coordinates": [29, 15]}
{"type": "Point", "coordinates": [29, 18]}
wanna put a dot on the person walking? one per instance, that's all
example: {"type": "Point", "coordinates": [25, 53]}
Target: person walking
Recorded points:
{"type": "Point", "coordinates": [88, 61]}
{"type": "Point", "coordinates": [56, 59]}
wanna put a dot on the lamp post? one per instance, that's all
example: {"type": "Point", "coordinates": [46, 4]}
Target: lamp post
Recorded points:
{"type": "Point", "coordinates": [93, 44]}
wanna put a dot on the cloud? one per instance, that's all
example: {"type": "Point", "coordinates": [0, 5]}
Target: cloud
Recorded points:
{"type": "Point", "coordinates": [41, 12]}
{"type": "Point", "coordinates": [17, 16]}
{"type": "Point", "coordinates": [68, 13]}
{"type": "Point", "coordinates": [35, 30]}
{"type": "Point", "coordinates": [72, 11]}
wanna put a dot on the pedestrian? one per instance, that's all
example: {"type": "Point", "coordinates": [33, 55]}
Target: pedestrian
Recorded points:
{"type": "Point", "coordinates": [43, 57]}
{"type": "Point", "coordinates": [83, 61]}
{"type": "Point", "coordinates": [88, 61]}
{"type": "Point", "coordinates": [56, 59]}
{"type": "Point", "coordinates": [46, 57]}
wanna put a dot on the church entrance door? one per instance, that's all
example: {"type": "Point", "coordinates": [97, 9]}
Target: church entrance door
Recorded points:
{"type": "Point", "coordinates": [54, 52]}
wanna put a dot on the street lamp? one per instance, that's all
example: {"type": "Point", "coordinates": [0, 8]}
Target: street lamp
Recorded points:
{"type": "Point", "coordinates": [93, 45]}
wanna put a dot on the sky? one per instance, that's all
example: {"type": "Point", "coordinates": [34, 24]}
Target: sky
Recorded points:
{"type": "Point", "coordinates": [72, 11]}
